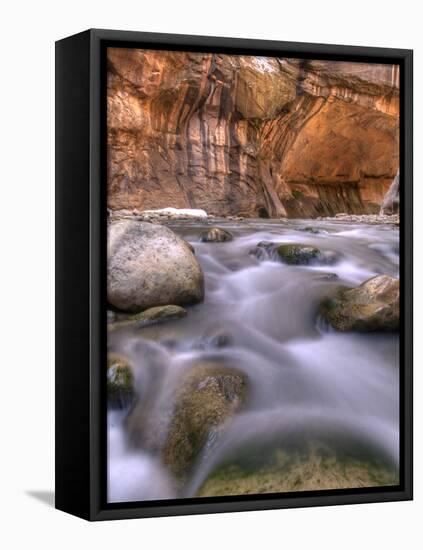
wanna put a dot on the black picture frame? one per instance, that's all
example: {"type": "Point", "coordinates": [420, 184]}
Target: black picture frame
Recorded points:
{"type": "Point", "coordinates": [81, 272]}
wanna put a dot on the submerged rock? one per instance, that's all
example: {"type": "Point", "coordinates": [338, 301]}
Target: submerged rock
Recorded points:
{"type": "Point", "coordinates": [327, 276]}
{"type": "Point", "coordinates": [309, 229]}
{"type": "Point", "coordinates": [149, 265]}
{"type": "Point", "coordinates": [120, 381]}
{"type": "Point", "coordinates": [215, 339]}
{"type": "Point", "coordinates": [216, 235]}
{"type": "Point", "coordinates": [372, 306]}
{"type": "Point", "coordinates": [311, 468]}
{"type": "Point", "coordinates": [206, 397]}
{"type": "Point", "coordinates": [294, 253]}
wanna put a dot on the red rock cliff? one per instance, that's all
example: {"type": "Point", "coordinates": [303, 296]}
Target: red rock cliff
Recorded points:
{"type": "Point", "coordinates": [250, 136]}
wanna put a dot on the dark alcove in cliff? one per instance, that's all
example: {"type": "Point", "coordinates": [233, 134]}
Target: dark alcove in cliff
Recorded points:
{"type": "Point", "coordinates": [262, 212]}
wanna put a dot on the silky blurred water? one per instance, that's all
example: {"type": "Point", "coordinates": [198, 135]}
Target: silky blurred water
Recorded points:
{"type": "Point", "coordinates": [303, 377]}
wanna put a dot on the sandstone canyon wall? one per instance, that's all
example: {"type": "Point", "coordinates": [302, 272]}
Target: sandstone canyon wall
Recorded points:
{"type": "Point", "coordinates": [251, 136]}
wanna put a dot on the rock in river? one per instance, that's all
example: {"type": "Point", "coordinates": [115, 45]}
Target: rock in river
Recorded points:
{"type": "Point", "coordinates": [159, 314]}
{"type": "Point", "coordinates": [309, 229]}
{"type": "Point", "coordinates": [149, 265]}
{"type": "Point", "coordinates": [120, 381]}
{"type": "Point", "coordinates": [151, 316]}
{"type": "Point", "coordinates": [207, 396]}
{"type": "Point", "coordinates": [216, 235]}
{"type": "Point", "coordinates": [294, 253]}
{"type": "Point", "coordinates": [374, 305]}
{"type": "Point", "coordinates": [297, 254]}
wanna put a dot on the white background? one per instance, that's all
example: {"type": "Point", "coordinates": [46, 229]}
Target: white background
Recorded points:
{"type": "Point", "coordinates": [28, 32]}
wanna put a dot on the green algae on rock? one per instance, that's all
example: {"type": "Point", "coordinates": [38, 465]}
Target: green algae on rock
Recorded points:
{"type": "Point", "coordinates": [151, 316]}
{"type": "Point", "coordinates": [120, 381]}
{"type": "Point", "coordinates": [158, 314]}
{"type": "Point", "coordinates": [298, 254]}
{"type": "Point", "coordinates": [294, 253]}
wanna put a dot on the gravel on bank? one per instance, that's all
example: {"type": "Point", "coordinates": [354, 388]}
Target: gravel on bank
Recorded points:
{"type": "Point", "coordinates": [369, 219]}
{"type": "Point", "coordinates": [162, 216]}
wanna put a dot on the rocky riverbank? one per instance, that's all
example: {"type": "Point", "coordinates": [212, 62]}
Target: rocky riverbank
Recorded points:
{"type": "Point", "coordinates": [167, 215]}
{"type": "Point", "coordinates": [369, 219]}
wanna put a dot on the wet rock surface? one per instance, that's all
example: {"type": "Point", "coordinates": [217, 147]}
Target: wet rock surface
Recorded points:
{"type": "Point", "coordinates": [372, 306]}
{"type": "Point", "coordinates": [151, 316]}
{"type": "Point", "coordinates": [294, 253]}
{"type": "Point", "coordinates": [205, 398]}
{"type": "Point", "coordinates": [120, 381]}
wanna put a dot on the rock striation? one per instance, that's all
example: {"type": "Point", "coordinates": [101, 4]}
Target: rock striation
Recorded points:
{"type": "Point", "coordinates": [250, 136]}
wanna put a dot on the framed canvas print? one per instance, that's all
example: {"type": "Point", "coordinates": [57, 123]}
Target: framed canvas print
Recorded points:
{"type": "Point", "coordinates": [234, 274]}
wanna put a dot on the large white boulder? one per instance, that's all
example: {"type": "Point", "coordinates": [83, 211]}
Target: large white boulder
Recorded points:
{"type": "Point", "coordinates": [149, 265]}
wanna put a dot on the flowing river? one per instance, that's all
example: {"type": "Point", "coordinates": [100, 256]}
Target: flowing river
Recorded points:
{"type": "Point", "coordinates": [304, 378]}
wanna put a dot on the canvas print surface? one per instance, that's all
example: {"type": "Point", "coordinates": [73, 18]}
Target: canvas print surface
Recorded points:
{"type": "Point", "coordinates": [253, 275]}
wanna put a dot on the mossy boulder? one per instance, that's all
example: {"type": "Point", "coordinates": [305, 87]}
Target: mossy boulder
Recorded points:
{"type": "Point", "coordinates": [372, 306]}
{"type": "Point", "coordinates": [297, 254]}
{"type": "Point", "coordinates": [294, 253]}
{"type": "Point", "coordinates": [120, 381]}
{"type": "Point", "coordinates": [206, 397]}
{"type": "Point", "coordinates": [158, 314]}
{"type": "Point", "coordinates": [151, 316]}
{"type": "Point", "coordinates": [310, 468]}
{"type": "Point", "coordinates": [216, 235]}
